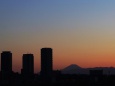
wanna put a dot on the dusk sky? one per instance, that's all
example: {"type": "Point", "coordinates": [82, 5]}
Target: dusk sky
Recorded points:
{"type": "Point", "coordinates": [80, 32]}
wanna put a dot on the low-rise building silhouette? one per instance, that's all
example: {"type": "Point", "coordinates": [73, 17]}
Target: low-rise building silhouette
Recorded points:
{"type": "Point", "coordinates": [96, 72]}
{"type": "Point", "coordinates": [96, 76]}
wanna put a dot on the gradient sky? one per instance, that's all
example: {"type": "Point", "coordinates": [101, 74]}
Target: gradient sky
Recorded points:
{"type": "Point", "coordinates": [80, 32]}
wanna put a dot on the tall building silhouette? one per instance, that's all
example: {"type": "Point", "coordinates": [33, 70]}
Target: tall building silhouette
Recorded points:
{"type": "Point", "coordinates": [46, 64]}
{"type": "Point", "coordinates": [6, 62]}
{"type": "Point", "coordinates": [28, 65]}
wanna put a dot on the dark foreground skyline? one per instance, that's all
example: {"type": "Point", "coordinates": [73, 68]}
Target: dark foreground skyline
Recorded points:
{"type": "Point", "coordinates": [28, 62]}
{"type": "Point", "coordinates": [48, 76]}
{"type": "Point", "coordinates": [46, 63]}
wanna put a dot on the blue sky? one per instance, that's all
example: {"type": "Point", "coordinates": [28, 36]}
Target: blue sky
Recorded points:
{"type": "Point", "coordinates": [49, 13]}
{"type": "Point", "coordinates": [84, 26]}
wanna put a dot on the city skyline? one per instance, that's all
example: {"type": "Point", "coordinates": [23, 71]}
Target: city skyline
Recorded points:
{"type": "Point", "coordinates": [79, 31]}
{"type": "Point", "coordinates": [28, 67]}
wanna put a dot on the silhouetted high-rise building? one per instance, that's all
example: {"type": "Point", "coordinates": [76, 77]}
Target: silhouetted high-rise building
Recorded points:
{"type": "Point", "coordinates": [46, 63]}
{"type": "Point", "coordinates": [28, 64]}
{"type": "Point", "coordinates": [6, 62]}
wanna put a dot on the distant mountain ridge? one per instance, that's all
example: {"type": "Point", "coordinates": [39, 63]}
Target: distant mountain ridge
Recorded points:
{"type": "Point", "coordinates": [72, 66]}
{"type": "Point", "coordinates": [75, 69]}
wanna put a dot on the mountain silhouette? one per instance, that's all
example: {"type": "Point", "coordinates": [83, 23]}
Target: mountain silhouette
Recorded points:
{"type": "Point", "coordinates": [72, 66]}
{"type": "Point", "coordinates": [75, 69]}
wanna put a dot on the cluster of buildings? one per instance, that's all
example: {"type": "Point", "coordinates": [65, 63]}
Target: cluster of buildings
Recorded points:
{"type": "Point", "coordinates": [47, 74]}
{"type": "Point", "coordinates": [28, 64]}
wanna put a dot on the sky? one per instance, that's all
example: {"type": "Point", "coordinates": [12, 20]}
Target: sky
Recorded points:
{"type": "Point", "coordinates": [80, 32]}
